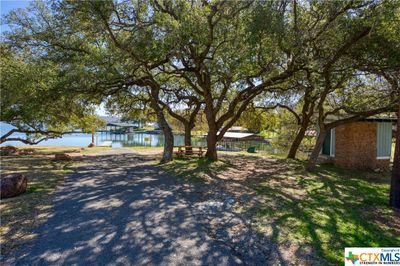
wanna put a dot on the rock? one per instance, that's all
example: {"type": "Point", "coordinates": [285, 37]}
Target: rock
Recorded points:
{"type": "Point", "coordinates": [8, 150]}
{"type": "Point", "coordinates": [62, 157]}
{"type": "Point", "coordinates": [13, 185]}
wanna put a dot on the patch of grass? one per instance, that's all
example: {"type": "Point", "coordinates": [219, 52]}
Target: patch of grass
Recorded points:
{"type": "Point", "coordinates": [145, 148]}
{"type": "Point", "coordinates": [329, 210]}
{"type": "Point", "coordinates": [19, 215]}
{"type": "Point", "coordinates": [49, 150]}
{"type": "Point", "coordinates": [94, 150]}
{"type": "Point", "coordinates": [312, 214]}
{"type": "Point", "coordinates": [262, 154]}
{"type": "Point", "coordinates": [194, 170]}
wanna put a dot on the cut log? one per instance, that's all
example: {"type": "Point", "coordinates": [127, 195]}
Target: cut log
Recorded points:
{"type": "Point", "coordinates": [62, 157]}
{"type": "Point", "coordinates": [13, 185]}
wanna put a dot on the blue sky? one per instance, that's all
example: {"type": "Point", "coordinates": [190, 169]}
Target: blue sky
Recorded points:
{"type": "Point", "coordinates": [7, 5]}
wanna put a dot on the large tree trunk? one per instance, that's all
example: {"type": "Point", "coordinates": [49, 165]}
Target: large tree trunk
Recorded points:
{"type": "Point", "coordinates": [211, 153]}
{"type": "Point", "coordinates": [168, 145]}
{"type": "Point", "coordinates": [188, 135]}
{"type": "Point", "coordinates": [394, 200]}
{"type": "Point", "coordinates": [297, 141]}
{"type": "Point", "coordinates": [168, 151]}
{"type": "Point", "coordinates": [312, 161]}
{"type": "Point", "coordinates": [93, 131]}
{"type": "Point", "coordinates": [168, 138]}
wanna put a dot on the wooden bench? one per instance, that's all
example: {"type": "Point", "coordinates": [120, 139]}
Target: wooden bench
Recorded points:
{"type": "Point", "coordinates": [189, 151]}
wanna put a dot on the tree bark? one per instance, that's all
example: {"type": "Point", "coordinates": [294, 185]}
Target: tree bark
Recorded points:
{"type": "Point", "coordinates": [211, 153]}
{"type": "Point", "coordinates": [168, 151]}
{"type": "Point", "coordinates": [312, 161]}
{"type": "Point", "coordinates": [93, 130]}
{"type": "Point", "coordinates": [168, 137]}
{"type": "Point", "coordinates": [5, 136]}
{"type": "Point", "coordinates": [188, 135]}
{"type": "Point", "coordinates": [168, 145]}
{"type": "Point", "coordinates": [297, 141]}
{"type": "Point", "coordinates": [394, 200]}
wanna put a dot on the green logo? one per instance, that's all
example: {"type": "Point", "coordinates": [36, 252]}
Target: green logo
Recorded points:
{"type": "Point", "coordinates": [352, 258]}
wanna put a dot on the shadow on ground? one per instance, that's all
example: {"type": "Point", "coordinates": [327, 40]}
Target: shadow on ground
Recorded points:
{"type": "Point", "coordinates": [123, 210]}
{"type": "Point", "coordinates": [307, 219]}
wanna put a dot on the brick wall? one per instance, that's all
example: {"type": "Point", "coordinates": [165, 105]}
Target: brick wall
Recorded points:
{"type": "Point", "coordinates": [356, 146]}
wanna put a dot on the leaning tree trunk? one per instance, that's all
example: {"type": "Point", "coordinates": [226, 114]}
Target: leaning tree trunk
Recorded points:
{"type": "Point", "coordinates": [168, 145]}
{"type": "Point", "coordinates": [167, 131]}
{"type": "Point", "coordinates": [312, 161]}
{"type": "Point", "coordinates": [297, 141]}
{"type": "Point", "coordinates": [93, 131]}
{"type": "Point", "coordinates": [395, 184]}
{"type": "Point", "coordinates": [168, 138]}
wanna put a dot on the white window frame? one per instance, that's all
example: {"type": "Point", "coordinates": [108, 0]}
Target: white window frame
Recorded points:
{"type": "Point", "coordinates": [382, 157]}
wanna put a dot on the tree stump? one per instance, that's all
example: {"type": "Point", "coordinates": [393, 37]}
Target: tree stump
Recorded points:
{"type": "Point", "coordinates": [13, 185]}
{"type": "Point", "coordinates": [8, 150]}
{"type": "Point", "coordinates": [62, 157]}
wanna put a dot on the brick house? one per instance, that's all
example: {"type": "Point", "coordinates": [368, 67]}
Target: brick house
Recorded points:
{"type": "Point", "coordinates": [364, 144]}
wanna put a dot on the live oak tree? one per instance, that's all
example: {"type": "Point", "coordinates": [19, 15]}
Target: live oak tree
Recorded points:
{"type": "Point", "coordinates": [254, 119]}
{"type": "Point", "coordinates": [226, 52]}
{"type": "Point", "coordinates": [31, 101]}
{"type": "Point", "coordinates": [93, 42]}
{"type": "Point", "coordinates": [122, 45]}
{"type": "Point", "coordinates": [336, 40]}
{"type": "Point", "coordinates": [340, 103]}
{"type": "Point", "coordinates": [347, 82]}
{"type": "Point", "coordinates": [298, 100]}
{"type": "Point", "coordinates": [209, 36]}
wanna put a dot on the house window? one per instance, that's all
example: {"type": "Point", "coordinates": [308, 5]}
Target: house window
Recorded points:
{"type": "Point", "coordinates": [329, 146]}
{"type": "Point", "coordinates": [384, 140]}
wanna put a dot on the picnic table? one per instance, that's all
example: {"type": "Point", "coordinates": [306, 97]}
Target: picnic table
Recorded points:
{"type": "Point", "coordinates": [189, 151]}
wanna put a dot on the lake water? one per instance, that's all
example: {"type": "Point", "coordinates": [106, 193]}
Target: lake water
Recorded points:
{"type": "Point", "coordinates": [118, 140]}
{"type": "Point", "coordinates": [137, 139]}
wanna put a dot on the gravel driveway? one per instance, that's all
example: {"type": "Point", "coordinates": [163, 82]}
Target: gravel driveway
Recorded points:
{"type": "Point", "coordinates": [120, 208]}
